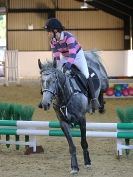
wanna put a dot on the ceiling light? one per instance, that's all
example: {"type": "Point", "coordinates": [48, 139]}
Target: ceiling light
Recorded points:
{"type": "Point", "coordinates": [84, 5]}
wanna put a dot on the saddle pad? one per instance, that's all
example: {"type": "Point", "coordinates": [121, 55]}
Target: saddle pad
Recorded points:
{"type": "Point", "coordinates": [82, 82]}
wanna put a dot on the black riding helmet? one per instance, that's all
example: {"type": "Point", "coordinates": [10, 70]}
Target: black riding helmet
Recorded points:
{"type": "Point", "coordinates": [52, 24]}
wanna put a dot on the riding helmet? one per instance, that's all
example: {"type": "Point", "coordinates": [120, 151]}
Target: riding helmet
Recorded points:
{"type": "Point", "coordinates": [52, 24]}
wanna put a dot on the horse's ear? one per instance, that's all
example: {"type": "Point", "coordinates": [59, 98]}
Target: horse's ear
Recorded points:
{"type": "Point", "coordinates": [40, 64]}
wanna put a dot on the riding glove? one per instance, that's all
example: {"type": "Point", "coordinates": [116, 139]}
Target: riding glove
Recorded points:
{"type": "Point", "coordinates": [67, 66]}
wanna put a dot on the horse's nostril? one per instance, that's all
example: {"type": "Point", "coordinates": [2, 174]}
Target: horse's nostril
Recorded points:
{"type": "Point", "coordinates": [46, 107]}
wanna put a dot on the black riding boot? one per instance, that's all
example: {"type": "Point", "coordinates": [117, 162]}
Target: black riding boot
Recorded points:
{"type": "Point", "coordinates": [94, 102]}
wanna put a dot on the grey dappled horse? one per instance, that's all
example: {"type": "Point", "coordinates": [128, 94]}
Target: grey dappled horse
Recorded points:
{"type": "Point", "coordinates": [69, 103]}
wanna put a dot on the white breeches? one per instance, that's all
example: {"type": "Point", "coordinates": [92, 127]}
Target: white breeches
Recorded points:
{"type": "Point", "coordinates": [79, 61]}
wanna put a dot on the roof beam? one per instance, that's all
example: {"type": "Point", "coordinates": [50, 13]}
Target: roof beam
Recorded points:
{"type": "Point", "coordinates": [28, 10]}
{"type": "Point", "coordinates": [107, 8]}
{"type": "Point", "coordinates": [125, 4]}
{"type": "Point", "coordinates": [115, 5]}
{"type": "Point", "coordinates": [112, 6]}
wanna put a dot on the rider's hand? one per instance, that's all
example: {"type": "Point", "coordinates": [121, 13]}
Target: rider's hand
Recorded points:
{"type": "Point", "coordinates": [67, 66]}
{"type": "Point", "coordinates": [54, 63]}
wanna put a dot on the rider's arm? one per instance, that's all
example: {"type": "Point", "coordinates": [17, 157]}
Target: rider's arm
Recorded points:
{"type": "Point", "coordinates": [55, 52]}
{"type": "Point", "coordinates": [73, 47]}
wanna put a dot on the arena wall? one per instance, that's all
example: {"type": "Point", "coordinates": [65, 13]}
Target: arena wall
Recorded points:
{"type": "Point", "coordinates": [117, 63]}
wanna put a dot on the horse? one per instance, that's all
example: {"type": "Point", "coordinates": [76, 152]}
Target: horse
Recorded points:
{"type": "Point", "coordinates": [70, 105]}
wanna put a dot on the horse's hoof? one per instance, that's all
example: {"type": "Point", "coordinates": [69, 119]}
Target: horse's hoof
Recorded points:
{"type": "Point", "coordinates": [101, 111]}
{"type": "Point", "coordinates": [88, 167]}
{"type": "Point", "coordinates": [74, 172]}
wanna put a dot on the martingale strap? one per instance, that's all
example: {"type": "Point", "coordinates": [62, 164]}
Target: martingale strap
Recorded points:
{"type": "Point", "coordinates": [61, 112]}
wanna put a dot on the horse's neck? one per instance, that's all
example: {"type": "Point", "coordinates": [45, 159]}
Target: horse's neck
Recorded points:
{"type": "Point", "coordinates": [65, 91]}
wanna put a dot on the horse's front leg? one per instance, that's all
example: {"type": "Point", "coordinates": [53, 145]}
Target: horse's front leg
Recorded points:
{"type": "Point", "coordinates": [84, 144]}
{"type": "Point", "coordinates": [72, 149]}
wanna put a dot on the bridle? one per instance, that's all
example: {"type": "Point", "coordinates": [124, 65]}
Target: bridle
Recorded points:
{"type": "Point", "coordinates": [58, 88]}
{"type": "Point", "coordinates": [53, 91]}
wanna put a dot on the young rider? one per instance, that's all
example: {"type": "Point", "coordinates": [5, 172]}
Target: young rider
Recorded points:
{"type": "Point", "coordinates": [67, 51]}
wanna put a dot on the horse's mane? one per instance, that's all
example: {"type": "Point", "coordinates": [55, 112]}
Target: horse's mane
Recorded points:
{"type": "Point", "coordinates": [48, 68]}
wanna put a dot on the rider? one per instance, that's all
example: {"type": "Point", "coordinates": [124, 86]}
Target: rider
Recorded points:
{"type": "Point", "coordinates": [67, 51]}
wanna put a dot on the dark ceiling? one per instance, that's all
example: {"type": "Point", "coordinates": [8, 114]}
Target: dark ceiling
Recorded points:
{"type": "Point", "coordinates": [119, 8]}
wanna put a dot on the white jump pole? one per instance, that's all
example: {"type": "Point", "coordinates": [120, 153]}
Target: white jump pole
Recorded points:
{"type": "Point", "coordinates": [46, 124]}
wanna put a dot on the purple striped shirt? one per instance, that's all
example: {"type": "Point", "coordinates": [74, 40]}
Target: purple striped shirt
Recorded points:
{"type": "Point", "coordinates": [67, 46]}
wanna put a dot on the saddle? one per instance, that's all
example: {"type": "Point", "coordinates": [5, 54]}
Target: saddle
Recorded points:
{"type": "Point", "coordinates": [82, 81]}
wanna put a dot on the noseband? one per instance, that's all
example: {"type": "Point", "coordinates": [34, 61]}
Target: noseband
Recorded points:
{"type": "Point", "coordinates": [47, 90]}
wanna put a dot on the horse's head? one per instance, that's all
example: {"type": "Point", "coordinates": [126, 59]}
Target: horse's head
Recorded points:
{"type": "Point", "coordinates": [48, 84]}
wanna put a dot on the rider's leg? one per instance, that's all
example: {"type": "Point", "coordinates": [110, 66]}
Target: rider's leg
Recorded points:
{"type": "Point", "coordinates": [81, 64]}
{"type": "Point", "coordinates": [94, 102]}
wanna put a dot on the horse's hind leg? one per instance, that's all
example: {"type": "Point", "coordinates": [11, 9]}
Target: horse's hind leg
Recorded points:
{"type": "Point", "coordinates": [84, 144]}
{"type": "Point", "coordinates": [72, 149]}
